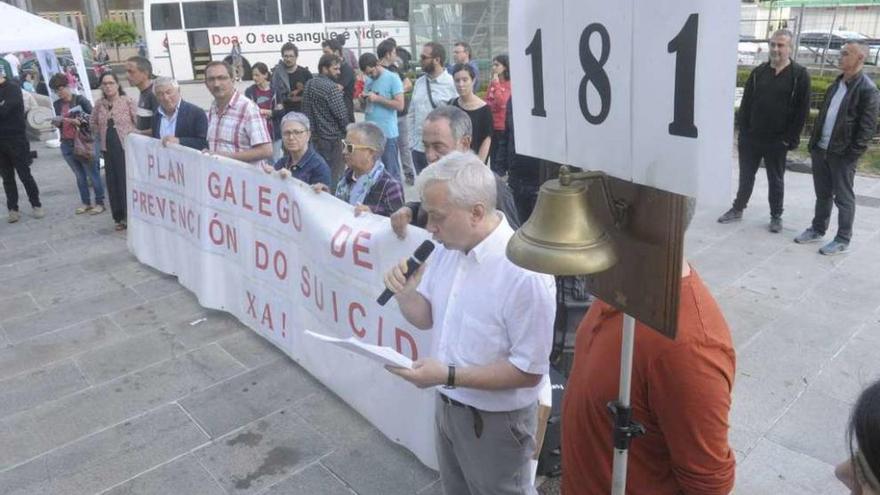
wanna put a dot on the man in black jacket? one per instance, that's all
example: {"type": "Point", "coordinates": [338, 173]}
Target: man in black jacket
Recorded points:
{"type": "Point", "coordinates": [847, 122]}
{"type": "Point", "coordinates": [15, 151]}
{"type": "Point", "coordinates": [177, 121]}
{"type": "Point", "coordinates": [774, 107]}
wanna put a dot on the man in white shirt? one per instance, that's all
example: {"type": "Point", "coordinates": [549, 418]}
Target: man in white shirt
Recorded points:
{"type": "Point", "coordinates": [493, 324]}
{"type": "Point", "coordinates": [434, 88]}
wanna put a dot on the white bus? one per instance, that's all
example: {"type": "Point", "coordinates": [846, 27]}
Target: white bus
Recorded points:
{"type": "Point", "coordinates": [182, 36]}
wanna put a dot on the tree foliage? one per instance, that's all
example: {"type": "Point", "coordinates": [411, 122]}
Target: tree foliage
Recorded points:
{"type": "Point", "coordinates": [116, 32]}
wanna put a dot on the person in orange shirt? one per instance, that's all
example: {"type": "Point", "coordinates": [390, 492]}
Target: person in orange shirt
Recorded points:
{"type": "Point", "coordinates": [681, 394]}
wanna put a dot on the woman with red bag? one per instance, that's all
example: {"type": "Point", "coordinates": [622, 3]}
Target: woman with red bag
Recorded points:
{"type": "Point", "coordinates": [72, 118]}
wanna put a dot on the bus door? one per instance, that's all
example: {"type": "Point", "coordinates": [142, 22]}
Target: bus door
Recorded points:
{"type": "Point", "coordinates": [200, 52]}
{"type": "Point", "coordinates": [177, 47]}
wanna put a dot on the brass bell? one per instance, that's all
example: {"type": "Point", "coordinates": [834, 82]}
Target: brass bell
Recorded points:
{"type": "Point", "coordinates": [563, 237]}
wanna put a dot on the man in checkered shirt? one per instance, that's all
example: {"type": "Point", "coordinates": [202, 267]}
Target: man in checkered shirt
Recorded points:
{"type": "Point", "coordinates": [324, 105]}
{"type": "Point", "coordinates": [235, 127]}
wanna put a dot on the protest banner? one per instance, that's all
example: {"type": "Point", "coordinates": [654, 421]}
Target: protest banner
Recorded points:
{"type": "Point", "coordinates": [282, 259]}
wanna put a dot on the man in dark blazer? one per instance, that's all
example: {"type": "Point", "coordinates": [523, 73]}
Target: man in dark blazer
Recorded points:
{"type": "Point", "coordinates": [178, 121]}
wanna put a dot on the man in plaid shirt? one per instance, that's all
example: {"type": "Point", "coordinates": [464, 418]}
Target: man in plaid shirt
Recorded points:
{"type": "Point", "coordinates": [235, 127]}
{"type": "Point", "coordinates": [324, 105]}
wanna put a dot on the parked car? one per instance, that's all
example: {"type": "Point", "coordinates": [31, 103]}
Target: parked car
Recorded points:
{"type": "Point", "coordinates": [751, 51]}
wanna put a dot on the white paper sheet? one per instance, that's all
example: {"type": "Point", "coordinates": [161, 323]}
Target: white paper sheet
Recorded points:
{"type": "Point", "coordinates": [384, 355]}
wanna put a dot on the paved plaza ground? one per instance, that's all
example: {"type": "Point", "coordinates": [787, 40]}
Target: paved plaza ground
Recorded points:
{"type": "Point", "coordinates": [114, 380]}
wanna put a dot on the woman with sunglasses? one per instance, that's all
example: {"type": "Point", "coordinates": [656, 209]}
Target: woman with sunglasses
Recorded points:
{"type": "Point", "coordinates": [111, 122]}
{"type": "Point", "coordinates": [300, 160]}
{"type": "Point", "coordinates": [366, 184]}
{"type": "Point", "coordinates": [861, 472]}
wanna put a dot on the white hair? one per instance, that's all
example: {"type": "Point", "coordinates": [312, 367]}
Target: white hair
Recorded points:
{"type": "Point", "coordinates": [468, 180]}
{"type": "Point", "coordinates": [299, 118]}
{"type": "Point", "coordinates": [161, 82]}
{"type": "Point", "coordinates": [371, 133]}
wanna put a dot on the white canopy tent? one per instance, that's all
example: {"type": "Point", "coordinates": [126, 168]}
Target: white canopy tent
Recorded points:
{"type": "Point", "coordinates": [23, 31]}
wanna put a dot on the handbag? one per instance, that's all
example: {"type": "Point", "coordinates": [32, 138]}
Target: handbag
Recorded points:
{"type": "Point", "coordinates": [84, 144]}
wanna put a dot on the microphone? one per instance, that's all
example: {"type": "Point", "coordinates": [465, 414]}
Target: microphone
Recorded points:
{"type": "Point", "coordinates": [412, 264]}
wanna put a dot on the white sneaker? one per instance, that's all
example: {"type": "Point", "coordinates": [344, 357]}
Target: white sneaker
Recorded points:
{"type": "Point", "coordinates": [39, 213]}
{"type": "Point", "coordinates": [14, 216]}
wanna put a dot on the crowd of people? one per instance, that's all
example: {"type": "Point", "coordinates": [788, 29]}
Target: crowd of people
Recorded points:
{"type": "Point", "coordinates": [489, 356]}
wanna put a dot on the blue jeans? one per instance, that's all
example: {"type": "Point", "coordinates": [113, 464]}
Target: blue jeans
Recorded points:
{"type": "Point", "coordinates": [391, 160]}
{"type": "Point", "coordinates": [83, 172]}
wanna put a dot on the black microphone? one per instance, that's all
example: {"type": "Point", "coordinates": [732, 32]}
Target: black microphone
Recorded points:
{"type": "Point", "coordinates": [412, 264]}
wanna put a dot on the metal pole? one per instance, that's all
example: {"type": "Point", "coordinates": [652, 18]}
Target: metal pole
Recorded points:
{"type": "Point", "coordinates": [624, 428]}
{"type": "Point", "coordinates": [830, 34]}
{"type": "Point", "coordinates": [800, 27]}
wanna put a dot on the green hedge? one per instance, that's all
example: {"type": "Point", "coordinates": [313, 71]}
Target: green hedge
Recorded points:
{"type": "Point", "coordinates": [818, 85]}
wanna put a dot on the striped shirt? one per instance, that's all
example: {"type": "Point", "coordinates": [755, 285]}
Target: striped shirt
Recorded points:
{"type": "Point", "coordinates": [238, 127]}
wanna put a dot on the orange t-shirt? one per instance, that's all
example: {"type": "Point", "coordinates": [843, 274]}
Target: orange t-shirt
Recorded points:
{"type": "Point", "coordinates": [681, 394]}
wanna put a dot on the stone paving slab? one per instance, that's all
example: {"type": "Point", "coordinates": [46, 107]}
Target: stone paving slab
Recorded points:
{"type": "Point", "coordinates": [117, 359]}
{"type": "Point", "coordinates": [854, 367]}
{"type": "Point", "coordinates": [250, 349]}
{"type": "Point", "coordinates": [771, 469]}
{"type": "Point", "coordinates": [58, 345]}
{"type": "Point", "coordinates": [96, 305]}
{"type": "Point", "coordinates": [824, 417]}
{"type": "Point", "coordinates": [29, 390]}
{"type": "Point", "coordinates": [311, 480]}
{"type": "Point", "coordinates": [262, 453]}
{"type": "Point", "coordinates": [249, 396]}
{"type": "Point", "coordinates": [106, 458]}
{"type": "Point", "coordinates": [51, 425]}
{"type": "Point", "coordinates": [184, 475]}
{"type": "Point", "coordinates": [15, 306]}
{"type": "Point", "coordinates": [373, 466]}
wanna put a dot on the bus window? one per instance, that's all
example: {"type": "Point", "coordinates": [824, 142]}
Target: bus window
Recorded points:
{"type": "Point", "coordinates": [300, 11]}
{"type": "Point", "coordinates": [257, 12]}
{"type": "Point", "coordinates": [215, 13]}
{"type": "Point", "coordinates": [165, 16]}
{"type": "Point", "coordinates": [344, 10]}
{"type": "Point", "coordinates": [389, 10]}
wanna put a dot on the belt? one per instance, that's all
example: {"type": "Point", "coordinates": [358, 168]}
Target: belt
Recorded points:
{"type": "Point", "coordinates": [478, 418]}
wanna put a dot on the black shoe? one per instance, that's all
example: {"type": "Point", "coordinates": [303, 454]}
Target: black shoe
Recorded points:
{"type": "Point", "coordinates": [731, 215]}
{"type": "Point", "coordinates": [776, 224]}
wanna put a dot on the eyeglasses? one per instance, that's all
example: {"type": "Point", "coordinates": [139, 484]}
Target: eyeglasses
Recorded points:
{"type": "Point", "coordinates": [426, 57]}
{"type": "Point", "coordinates": [108, 83]}
{"type": "Point", "coordinates": [349, 148]}
{"type": "Point", "coordinates": [294, 133]}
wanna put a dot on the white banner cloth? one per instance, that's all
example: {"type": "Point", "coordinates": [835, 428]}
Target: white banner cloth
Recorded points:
{"type": "Point", "coordinates": [282, 259]}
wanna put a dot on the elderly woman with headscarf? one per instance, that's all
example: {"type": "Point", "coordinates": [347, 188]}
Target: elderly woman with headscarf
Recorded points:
{"type": "Point", "coordinates": [366, 184]}
{"type": "Point", "coordinates": [300, 160]}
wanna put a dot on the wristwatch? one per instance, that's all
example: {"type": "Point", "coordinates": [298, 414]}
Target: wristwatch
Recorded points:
{"type": "Point", "coordinates": [450, 378]}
